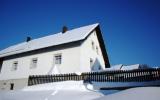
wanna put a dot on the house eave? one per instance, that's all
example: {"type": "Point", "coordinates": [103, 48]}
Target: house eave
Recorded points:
{"type": "Point", "coordinates": [43, 50]}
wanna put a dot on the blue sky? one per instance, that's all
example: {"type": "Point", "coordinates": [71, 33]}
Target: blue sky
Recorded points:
{"type": "Point", "coordinates": [131, 28]}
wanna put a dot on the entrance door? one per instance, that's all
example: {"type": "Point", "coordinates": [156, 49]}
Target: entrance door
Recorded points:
{"type": "Point", "coordinates": [12, 86]}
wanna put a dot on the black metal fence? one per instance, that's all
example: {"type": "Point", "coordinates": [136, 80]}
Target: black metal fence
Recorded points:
{"type": "Point", "coordinates": [138, 75]}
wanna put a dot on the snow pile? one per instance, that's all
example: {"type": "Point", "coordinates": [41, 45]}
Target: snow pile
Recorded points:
{"type": "Point", "coordinates": [64, 85]}
{"type": "Point", "coordinates": [131, 67]}
{"type": "Point", "coordinates": [115, 67]}
{"type": "Point", "coordinates": [128, 67]}
{"type": "Point", "coordinates": [98, 85]}
{"type": "Point", "coordinates": [67, 90]}
{"type": "Point", "coordinates": [76, 90]}
{"type": "Point", "coordinates": [143, 93]}
{"type": "Point", "coordinates": [78, 73]}
{"type": "Point", "coordinates": [54, 70]}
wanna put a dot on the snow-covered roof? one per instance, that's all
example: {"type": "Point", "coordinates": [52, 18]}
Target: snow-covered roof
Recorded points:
{"type": "Point", "coordinates": [117, 67]}
{"type": "Point", "coordinates": [114, 67]}
{"type": "Point", "coordinates": [127, 67]}
{"type": "Point", "coordinates": [131, 67]}
{"type": "Point", "coordinates": [48, 41]}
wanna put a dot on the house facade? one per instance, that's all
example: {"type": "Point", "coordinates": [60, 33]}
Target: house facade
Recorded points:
{"type": "Point", "coordinates": [77, 50]}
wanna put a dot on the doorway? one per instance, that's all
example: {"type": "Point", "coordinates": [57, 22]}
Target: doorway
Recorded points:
{"type": "Point", "coordinates": [11, 86]}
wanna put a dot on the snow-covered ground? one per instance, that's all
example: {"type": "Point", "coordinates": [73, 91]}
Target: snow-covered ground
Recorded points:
{"type": "Point", "coordinates": [97, 85]}
{"type": "Point", "coordinates": [142, 93]}
{"type": "Point", "coordinates": [77, 90]}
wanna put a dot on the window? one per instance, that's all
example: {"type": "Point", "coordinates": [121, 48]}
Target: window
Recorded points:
{"type": "Point", "coordinates": [97, 50]}
{"type": "Point", "coordinates": [91, 62]}
{"type": "Point", "coordinates": [34, 63]}
{"type": "Point", "coordinates": [58, 59]}
{"type": "Point", "coordinates": [14, 66]}
{"type": "Point", "coordinates": [93, 45]}
{"type": "Point", "coordinates": [11, 86]}
{"type": "Point", "coordinates": [94, 33]}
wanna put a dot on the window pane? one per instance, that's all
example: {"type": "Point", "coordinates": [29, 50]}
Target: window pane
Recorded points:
{"type": "Point", "coordinates": [58, 59]}
{"type": "Point", "coordinates": [93, 45]}
{"type": "Point", "coordinates": [97, 50]}
{"type": "Point", "coordinates": [91, 62]}
{"type": "Point", "coordinates": [15, 65]}
{"type": "Point", "coordinates": [34, 63]}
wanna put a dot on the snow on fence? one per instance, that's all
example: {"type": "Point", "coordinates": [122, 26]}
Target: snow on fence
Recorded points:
{"type": "Point", "coordinates": [138, 75]}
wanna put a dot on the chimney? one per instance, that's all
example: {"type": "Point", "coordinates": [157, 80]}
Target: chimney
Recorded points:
{"type": "Point", "coordinates": [64, 29]}
{"type": "Point", "coordinates": [28, 39]}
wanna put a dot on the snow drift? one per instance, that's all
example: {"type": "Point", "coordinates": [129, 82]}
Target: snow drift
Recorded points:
{"type": "Point", "coordinates": [77, 90]}
{"type": "Point", "coordinates": [143, 93]}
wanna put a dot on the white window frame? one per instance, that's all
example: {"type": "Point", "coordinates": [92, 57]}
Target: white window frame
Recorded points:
{"type": "Point", "coordinates": [34, 62]}
{"type": "Point", "coordinates": [58, 59]}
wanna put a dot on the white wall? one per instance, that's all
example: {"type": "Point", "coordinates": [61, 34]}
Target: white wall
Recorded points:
{"type": "Point", "coordinates": [18, 84]}
{"type": "Point", "coordinates": [70, 63]}
{"type": "Point", "coordinates": [87, 52]}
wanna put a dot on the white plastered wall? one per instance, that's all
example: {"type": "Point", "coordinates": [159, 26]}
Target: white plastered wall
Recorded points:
{"type": "Point", "coordinates": [70, 63]}
{"type": "Point", "coordinates": [19, 77]}
{"type": "Point", "coordinates": [88, 53]}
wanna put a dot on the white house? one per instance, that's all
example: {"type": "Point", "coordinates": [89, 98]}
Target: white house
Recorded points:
{"type": "Point", "coordinates": [77, 50]}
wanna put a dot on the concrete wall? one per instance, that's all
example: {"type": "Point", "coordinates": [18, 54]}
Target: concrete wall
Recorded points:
{"type": "Point", "coordinates": [87, 53]}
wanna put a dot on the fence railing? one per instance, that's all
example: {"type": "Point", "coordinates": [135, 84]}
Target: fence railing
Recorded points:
{"type": "Point", "coordinates": [138, 75]}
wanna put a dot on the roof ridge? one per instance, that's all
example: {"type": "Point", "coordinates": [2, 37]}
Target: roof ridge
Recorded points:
{"type": "Point", "coordinates": [60, 33]}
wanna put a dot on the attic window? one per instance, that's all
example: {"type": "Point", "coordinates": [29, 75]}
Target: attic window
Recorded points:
{"type": "Point", "coordinates": [34, 63]}
{"type": "Point", "coordinates": [94, 33]}
{"type": "Point", "coordinates": [14, 65]}
{"type": "Point", "coordinates": [58, 59]}
{"type": "Point", "coordinates": [93, 46]}
{"type": "Point", "coordinates": [97, 50]}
